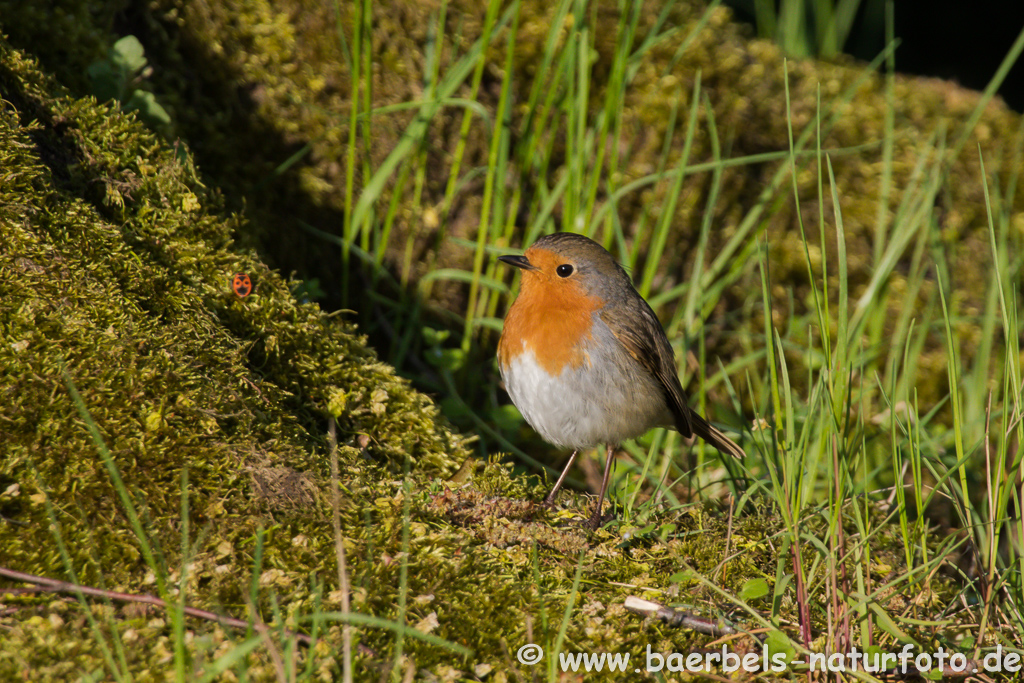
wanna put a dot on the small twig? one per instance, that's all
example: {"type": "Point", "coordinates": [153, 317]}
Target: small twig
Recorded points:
{"type": "Point", "coordinates": [339, 549]}
{"type": "Point", "coordinates": [987, 572]}
{"type": "Point", "coordinates": [272, 651]}
{"type": "Point", "coordinates": [802, 604]}
{"type": "Point", "coordinates": [674, 617]}
{"type": "Point", "coordinates": [55, 586]}
{"type": "Point", "coordinates": [728, 537]}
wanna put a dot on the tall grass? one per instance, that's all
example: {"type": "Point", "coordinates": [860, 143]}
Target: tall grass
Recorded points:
{"type": "Point", "coordinates": [840, 446]}
{"type": "Point", "coordinates": [807, 28]}
{"type": "Point", "coordinates": [855, 436]}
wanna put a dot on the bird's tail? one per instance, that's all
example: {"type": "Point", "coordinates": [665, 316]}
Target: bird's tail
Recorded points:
{"type": "Point", "coordinates": [714, 436]}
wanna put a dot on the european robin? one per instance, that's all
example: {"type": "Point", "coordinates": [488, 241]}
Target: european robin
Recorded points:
{"type": "Point", "coordinates": [586, 360]}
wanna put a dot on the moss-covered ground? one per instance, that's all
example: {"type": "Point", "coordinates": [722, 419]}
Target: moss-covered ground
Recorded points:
{"type": "Point", "coordinates": [117, 250]}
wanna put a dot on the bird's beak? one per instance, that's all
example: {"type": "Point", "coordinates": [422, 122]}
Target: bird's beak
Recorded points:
{"type": "Point", "coordinates": [518, 262]}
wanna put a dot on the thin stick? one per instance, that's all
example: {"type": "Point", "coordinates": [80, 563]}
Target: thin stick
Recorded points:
{"type": "Point", "coordinates": [55, 586]}
{"type": "Point", "coordinates": [339, 549]}
{"type": "Point", "coordinates": [558, 484]}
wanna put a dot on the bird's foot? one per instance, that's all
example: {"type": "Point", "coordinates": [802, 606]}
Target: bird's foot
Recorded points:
{"type": "Point", "coordinates": [595, 521]}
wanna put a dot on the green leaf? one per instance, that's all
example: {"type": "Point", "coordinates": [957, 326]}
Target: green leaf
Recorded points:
{"type": "Point", "coordinates": [679, 577]}
{"type": "Point", "coordinates": [754, 589]}
{"type": "Point", "coordinates": [507, 418]}
{"type": "Point", "coordinates": [435, 337]}
{"type": "Point", "coordinates": [128, 54]}
{"type": "Point", "coordinates": [777, 641]}
{"type": "Point", "coordinates": [454, 409]}
{"type": "Point", "coordinates": [308, 290]}
{"type": "Point", "coordinates": [449, 359]}
{"type": "Point", "coordinates": [106, 83]}
{"type": "Point", "coordinates": [149, 109]}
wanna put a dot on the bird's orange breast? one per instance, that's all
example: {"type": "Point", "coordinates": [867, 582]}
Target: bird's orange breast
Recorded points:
{"type": "Point", "coordinates": [553, 319]}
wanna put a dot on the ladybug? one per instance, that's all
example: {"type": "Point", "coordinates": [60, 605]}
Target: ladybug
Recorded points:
{"type": "Point", "coordinates": [241, 285]}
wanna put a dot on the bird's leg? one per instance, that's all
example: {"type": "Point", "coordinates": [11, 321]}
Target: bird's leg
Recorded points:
{"type": "Point", "coordinates": [550, 500]}
{"type": "Point", "coordinates": [595, 520]}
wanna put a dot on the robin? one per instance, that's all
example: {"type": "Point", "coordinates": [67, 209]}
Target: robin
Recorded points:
{"type": "Point", "coordinates": [586, 360]}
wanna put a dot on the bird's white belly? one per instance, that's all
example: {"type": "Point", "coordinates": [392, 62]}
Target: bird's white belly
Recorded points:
{"type": "Point", "coordinates": [586, 405]}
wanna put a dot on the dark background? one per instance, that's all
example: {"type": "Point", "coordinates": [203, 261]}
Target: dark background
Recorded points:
{"type": "Point", "coordinates": [963, 40]}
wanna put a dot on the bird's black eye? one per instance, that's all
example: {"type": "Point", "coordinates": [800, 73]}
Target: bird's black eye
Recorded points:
{"type": "Point", "coordinates": [564, 270]}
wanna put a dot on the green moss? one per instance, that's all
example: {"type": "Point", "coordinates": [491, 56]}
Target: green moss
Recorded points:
{"type": "Point", "coordinates": [115, 273]}
{"type": "Point", "coordinates": [115, 267]}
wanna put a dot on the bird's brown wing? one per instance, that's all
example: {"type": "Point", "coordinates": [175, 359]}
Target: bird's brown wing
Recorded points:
{"type": "Point", "coordinates": [648, 344]}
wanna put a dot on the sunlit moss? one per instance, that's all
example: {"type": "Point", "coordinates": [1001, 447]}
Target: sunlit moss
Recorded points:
{"type": "Point", "coordinates": [115, 268]}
